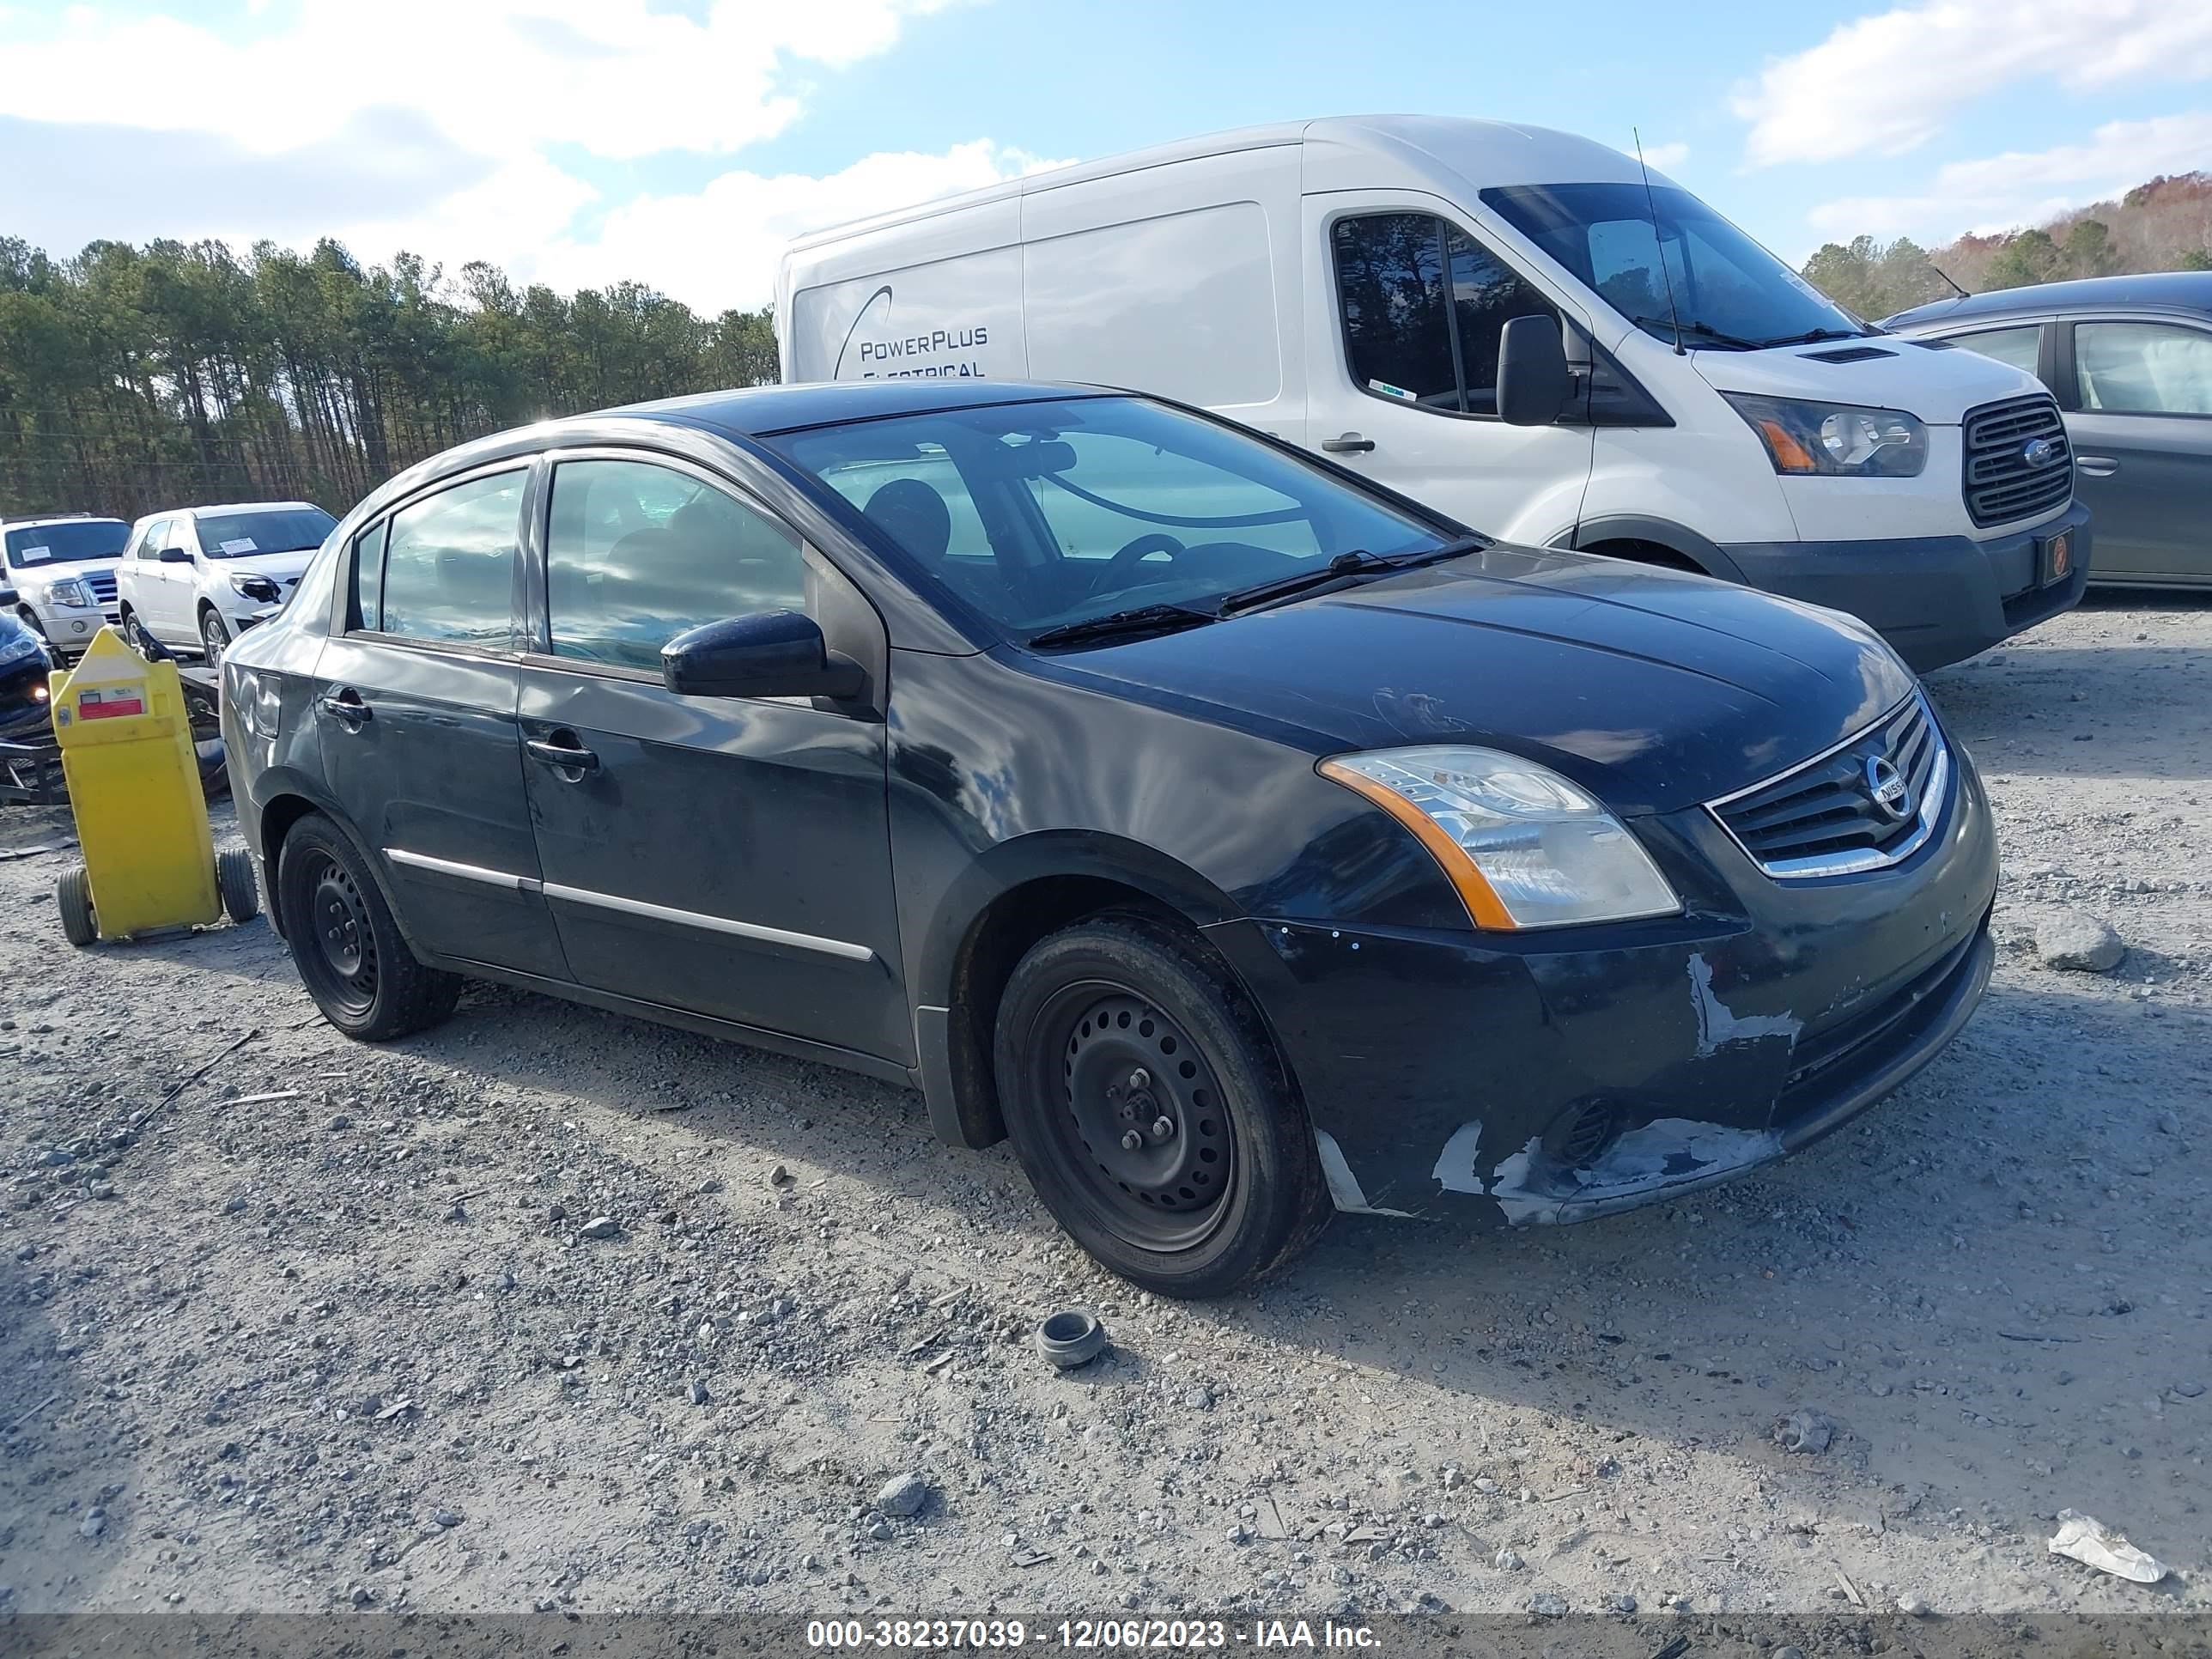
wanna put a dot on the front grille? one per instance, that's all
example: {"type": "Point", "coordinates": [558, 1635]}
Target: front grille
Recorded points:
{"type": "Point", "coordinates": [1824, 818]}
{"type": "Point", "coordinates": [102, 584]}
{"type": "Point", "coordinates": [2001, 485]}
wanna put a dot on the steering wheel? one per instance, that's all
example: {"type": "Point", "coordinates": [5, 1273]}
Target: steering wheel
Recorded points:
{"type": "Point", "coordinates": [1129, 556]}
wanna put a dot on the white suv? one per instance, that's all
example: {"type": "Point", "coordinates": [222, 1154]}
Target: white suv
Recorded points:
{"type": "Point", "coordinates": [63, 572]}
{"type": "Point", "coordinates": [200, 576]}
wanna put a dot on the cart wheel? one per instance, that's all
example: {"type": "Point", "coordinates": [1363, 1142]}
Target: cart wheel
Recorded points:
{"type": "Point", "coordinates": [233, 876]}
{"type": "Point", "coordinates": [73, 894]}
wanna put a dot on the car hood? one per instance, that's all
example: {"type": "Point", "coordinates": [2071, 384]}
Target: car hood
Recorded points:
{"type": "Point", "coordinates": [1654, 689]}
{"type": "Point", "coordinates": [45, 572]}
{"type": "Point", "coordinates": [285, 566]}
{"type": "Point", "coordinates": [1938, 386]}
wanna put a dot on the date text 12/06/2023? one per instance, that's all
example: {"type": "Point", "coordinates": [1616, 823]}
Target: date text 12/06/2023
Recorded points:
{"type": "Point", "coordinates": [1087, 1635]}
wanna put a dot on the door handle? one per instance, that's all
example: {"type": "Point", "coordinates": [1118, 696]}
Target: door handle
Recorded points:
{"type": "Point", "coordinates": [569, 756]}
{"type": "Point", "coordinates": [1350, 444]}
{"type": "Point", "coordinates": [2096, 466]}
{"type": "Point", "coordinates": [346, 708]}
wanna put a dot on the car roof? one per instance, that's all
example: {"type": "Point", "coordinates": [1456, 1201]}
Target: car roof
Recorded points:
{"type": "Point", "coordinates": [755, 411]}
{"type": "Point", "coordinates": [59, 518]}
{"type": "Point", "coordinates": [2189, 290]}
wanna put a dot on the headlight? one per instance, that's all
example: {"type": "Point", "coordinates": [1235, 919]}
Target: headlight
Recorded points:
{"type": "Point", "coordinates": [20, 646]}
{"type": "Point", "coordinates": [1836, 439]}
{"type": "Point", "coordinates": [1523, 847]}
{"type": "Point", "coordinates": [255, 586]}
{"type": "Point", "coordinates": [72, 590]}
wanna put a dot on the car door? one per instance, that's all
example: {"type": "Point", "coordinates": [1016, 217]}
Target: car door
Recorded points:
{"type": "Point", "coordinates": [2137, 396]}
{"type": "Point", "coordinates": [178, 618]}
{"type": "Point", "coordinates": [1403, 349]}
{"type": "Point", "coordinates": [139, 574]}
{"type": "Point", "coordinates": [418, 736]}
{"type": "Point", "coordinates": [727, 856]}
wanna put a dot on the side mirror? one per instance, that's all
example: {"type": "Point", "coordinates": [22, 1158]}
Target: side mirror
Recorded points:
{"type": "Point", "coordinates": [1533, 382]}
{"type": "Point", "coordinates": [175, 556]}
{"type": "Point", "coordinates": [9, 596]}
{"type": "Point", "coordinates": [772, 653]}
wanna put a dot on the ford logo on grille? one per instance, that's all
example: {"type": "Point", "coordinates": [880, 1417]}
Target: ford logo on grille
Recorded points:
{"type": "Point", "coordinates": [1887, 787]}
{"type": "Point", "coordinates": [2042, 452]}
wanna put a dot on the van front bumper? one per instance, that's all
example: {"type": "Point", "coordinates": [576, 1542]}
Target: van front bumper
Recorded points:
{"type": "Point", "coordinates": [1577, 1071]}
{"type": "Point", "coordinates": [1937, 599]}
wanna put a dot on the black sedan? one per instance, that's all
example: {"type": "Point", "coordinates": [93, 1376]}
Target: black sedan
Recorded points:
{"type": "Point", "coordinates": [1242, 841]}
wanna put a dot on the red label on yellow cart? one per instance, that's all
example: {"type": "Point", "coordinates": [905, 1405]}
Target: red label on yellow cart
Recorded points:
{"type": "Point", "coordinates": [94, 706]}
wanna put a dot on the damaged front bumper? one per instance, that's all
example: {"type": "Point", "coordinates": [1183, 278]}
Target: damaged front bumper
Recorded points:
{"type": "Point", "coordinates": [1581, 1071]}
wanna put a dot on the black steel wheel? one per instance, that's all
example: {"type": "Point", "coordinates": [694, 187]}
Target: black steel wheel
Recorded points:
{"type": "Point", "coordinates": [234, 879]}
{"type": "Point", "coordinates": [346, 943]}
{"type": "Point", "coordinates": [1151, 1112]}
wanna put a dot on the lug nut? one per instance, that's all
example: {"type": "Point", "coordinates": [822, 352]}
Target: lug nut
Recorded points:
{"type": "Point", "coordinates": [1140, 1078]}
{"type": "Point", "coordinates": [1132, 1141]}
{"type": "Point", "coordinates": [1162, 1128]}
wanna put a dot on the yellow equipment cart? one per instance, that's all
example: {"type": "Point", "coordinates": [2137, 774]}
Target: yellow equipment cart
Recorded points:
{"type": "Point", "coordinates": [134, 783]}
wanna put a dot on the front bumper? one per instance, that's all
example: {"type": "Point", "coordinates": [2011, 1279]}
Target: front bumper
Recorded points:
{"type": "Point", "coordinates": [1937, 599]}
{"type": "Point", "coordinates": [1579, 1071]}
{"type": "Point", "coordinates": [70, 627]}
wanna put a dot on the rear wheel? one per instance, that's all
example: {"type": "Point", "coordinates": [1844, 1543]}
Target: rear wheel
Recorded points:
{"type": "Point", "coordinates": [233, 879]}
{"type": "Point", "coordinates": [1151, 1113]}
{"type": "Point", "coordinates": [346, 943]}
{"type": "Point", "coordinates": [73, 897]}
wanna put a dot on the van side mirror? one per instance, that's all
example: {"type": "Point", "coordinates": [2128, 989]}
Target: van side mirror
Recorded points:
{"type": "Point", "coordinates": [175, 556]}
{"type": "Point", "coordinates": [1533, 382]}
{"type": "Point", "coordinates": [771, 653]}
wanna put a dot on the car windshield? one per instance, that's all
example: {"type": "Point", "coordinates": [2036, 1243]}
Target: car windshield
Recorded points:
{"type": "Point", "coordinates": [1048, 513]}
{"type": "Point", "coordinates": [66, 542]}
{"type": "Point", "coordinates": [1728, 292]}
{"type": "Point", "coordinates": [265, 530]}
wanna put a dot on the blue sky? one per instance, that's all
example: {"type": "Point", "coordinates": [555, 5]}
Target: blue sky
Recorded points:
{"type": "Point", "coordinates": [680, 141]}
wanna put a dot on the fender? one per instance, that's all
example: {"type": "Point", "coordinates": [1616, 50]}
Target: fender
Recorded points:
{"type": "Point", "coordinates": [1664, 532]}
{"type": "Point", "coordinates": [953, 1071]}
{"type": "Point", "coordinates": [285, 781]}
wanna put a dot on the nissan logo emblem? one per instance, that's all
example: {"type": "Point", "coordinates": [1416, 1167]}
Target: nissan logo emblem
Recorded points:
{"type": "Point", "coordinates": [2041, 452]}
{"type": "Point", "coordinates": [1886, 786]}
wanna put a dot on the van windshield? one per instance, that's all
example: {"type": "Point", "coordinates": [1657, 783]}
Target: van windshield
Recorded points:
{"type": "Point", "coordinates": [1048, 515]}
{"type": "Point", "coordinates": [1730, 292]}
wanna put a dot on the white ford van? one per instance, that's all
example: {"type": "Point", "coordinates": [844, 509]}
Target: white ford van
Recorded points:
{"type": "Point", "coordinates": [1354, 286]}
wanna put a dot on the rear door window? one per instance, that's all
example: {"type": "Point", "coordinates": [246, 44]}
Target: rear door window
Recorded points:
{"type": "Point", "coordinates": [2143, 368]}
{"type": "Point", "coordinates": [449, 565]}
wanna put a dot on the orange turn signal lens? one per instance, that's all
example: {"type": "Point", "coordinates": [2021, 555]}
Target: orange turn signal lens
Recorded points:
{"type": "Point", "coordinates": [1473, 888]}
{"type": "Point", "coordinates": [1789, 455]}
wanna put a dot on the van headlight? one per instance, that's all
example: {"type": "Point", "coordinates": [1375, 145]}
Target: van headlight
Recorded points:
{"type": "Point", "coordinates": [1838, 441]}
{"type": "Point", "coordinates": [1523, 847]}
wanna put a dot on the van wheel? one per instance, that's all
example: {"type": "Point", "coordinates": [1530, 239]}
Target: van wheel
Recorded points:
{"type": "Point", "coordinates": [346, 944]}
{"type": "Point", "coordinates": [73, 898]}
{"type": "Point", "coordinates": [1151, 1112]}
{"type": "Point", "coordinates": [233, 879]}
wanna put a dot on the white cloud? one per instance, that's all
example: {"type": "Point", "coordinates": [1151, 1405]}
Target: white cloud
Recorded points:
{"type": "Point", "coordinates": [1889, 82]}
{"type": "Point", "coordinates": [1662, 156]}
{"type": "Point", "coordinates": [717, 246]}
{"type": "Point", "coordinates": [2001, 192]}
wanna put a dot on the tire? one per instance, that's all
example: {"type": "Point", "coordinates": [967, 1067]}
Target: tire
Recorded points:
{"type": "Point", "coordinates": [234, 879]}
{"type": "Point", "coordinates": [1115, 1027]}
{"type": "Point", "coordinates": [73, 898]}
{"type": "Point", "coordinates": [215, 635]}
{"type": "Point", "coordinates": [346, 944]}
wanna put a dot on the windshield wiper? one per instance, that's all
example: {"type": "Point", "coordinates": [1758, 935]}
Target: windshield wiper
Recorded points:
{"type": "Point", "coordinates": [1357, 562]}
{"type": "Point", "coordinates": [1138, 619]}
{"type": "Point", "coordinates": [1704, 331]}
{"type": "Point", "coordinates": [1813, 336]}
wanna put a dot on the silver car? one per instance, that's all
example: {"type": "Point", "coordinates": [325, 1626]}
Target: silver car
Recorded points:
{"type": "Point", "coordinates": [2130, 360]}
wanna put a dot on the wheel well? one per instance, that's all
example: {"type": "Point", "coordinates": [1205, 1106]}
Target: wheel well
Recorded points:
{"type": "Point", "coordinates": [278, 818]}
{"type": "Point", "coordinates": [1643, 552]}
{"type": "Point", "coordinates": [997, 940]}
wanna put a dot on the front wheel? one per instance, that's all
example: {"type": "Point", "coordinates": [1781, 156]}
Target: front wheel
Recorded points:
{"type": "Point", "coordinates": [215, 637]}
{"type": "Point", "coordinates": [1150, 1110]}
{"type": "Point", "coordinates": [346, 943]}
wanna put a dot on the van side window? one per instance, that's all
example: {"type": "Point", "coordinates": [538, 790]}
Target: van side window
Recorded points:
{"type": "Point", "coordinates": [1390, 281]}
{"type": "Point", "coordinates": [1486, 294]}
{"type": "Point", "coordinates": [1424, 308]}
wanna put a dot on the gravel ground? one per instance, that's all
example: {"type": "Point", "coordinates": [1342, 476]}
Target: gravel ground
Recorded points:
{"type": "Point", "coordinates": [331, 1326]}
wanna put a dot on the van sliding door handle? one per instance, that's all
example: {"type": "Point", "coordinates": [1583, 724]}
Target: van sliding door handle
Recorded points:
{"type": "Point", "coordinates": [1350, 444]}
{"type": "Point", "coordinates": [2096, 466]}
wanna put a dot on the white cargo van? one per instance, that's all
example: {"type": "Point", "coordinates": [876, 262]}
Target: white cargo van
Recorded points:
{"type": "Point", "coordinates": [1358, 286]}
